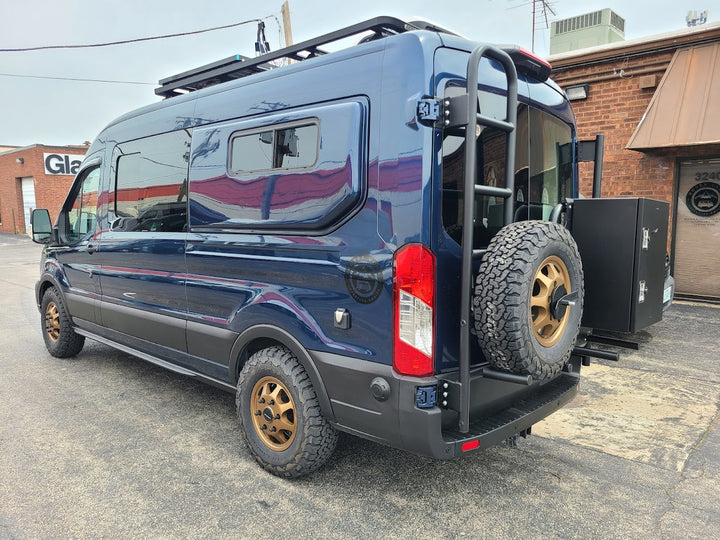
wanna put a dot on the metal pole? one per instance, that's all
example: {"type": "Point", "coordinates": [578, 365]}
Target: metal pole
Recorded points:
{"type": "Point", "coordinates": [598, 167]}
{"type": "Point", "coordinates": [533, 27]}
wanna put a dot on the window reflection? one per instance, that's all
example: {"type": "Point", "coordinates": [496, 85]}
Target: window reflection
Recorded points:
{"type": "Point", "coordinates": [290, 147]}
{"type": "Point", "coordinates": [82, 215]}
{"type": "Point", "coordinates": [543, 172]}
{"type": "Point", "coordinates": [151, 184]}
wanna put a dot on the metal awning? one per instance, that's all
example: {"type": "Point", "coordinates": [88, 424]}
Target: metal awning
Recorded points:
{"type": "Point", "coordinates": [685, 110]}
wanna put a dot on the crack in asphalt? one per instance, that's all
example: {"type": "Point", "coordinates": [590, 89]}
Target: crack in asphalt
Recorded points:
{"type": "Point", "coordinates": [673, 504]}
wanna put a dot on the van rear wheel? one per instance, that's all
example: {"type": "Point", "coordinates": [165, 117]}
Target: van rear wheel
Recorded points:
{"type": "Point", "coordinates": [280, 415]}
{"type": "Point", "coordinates": [528, 299]}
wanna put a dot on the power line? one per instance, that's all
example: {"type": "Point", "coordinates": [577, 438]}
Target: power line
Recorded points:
{"type": "Point", "coordinates": [137, 40]}
{"type": "Point", "coordinates": [71, 79]}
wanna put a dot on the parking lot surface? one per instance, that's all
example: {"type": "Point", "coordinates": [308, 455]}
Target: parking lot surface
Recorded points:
{"type": "Point", "coordinates": [105, 445]}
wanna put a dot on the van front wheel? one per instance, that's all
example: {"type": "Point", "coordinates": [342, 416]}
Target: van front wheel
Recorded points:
{"type": "Point", "coordinates": [60, 338]}
{"type": "Point", "coordinates": [280, 415]}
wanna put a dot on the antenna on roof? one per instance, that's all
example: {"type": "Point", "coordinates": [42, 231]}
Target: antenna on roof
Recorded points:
{"type": "Point", "coordinates": [695, 19]}
{"type": "Point", "coordinates": [261, 45]}
{"type": "Point", "coordinates": [545, 8]}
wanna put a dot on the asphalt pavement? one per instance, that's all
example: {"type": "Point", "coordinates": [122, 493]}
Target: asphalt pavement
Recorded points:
{"type": "Point", "coordinates": [104, 445]}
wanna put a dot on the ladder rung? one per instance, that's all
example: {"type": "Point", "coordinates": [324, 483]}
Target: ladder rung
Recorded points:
{"type": "Point", "coordinates": [491, 191]}
{"type": "Point", "coordinates": [502, 125]}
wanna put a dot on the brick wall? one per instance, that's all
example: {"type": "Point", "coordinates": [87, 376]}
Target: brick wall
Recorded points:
{"type": "Point", "coordinates": [614, 107]}
{"type": "Point", "coordinates": [620, 91]}
{"type": "Point", "coordinates": [50, 190]}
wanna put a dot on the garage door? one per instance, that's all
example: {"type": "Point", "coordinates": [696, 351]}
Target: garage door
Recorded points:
{"type": "Point", "coordinates": [697, 231]}
{"type": "Point", "coordinates": [28, 197]}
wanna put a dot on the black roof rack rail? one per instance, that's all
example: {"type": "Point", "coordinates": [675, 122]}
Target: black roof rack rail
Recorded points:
{"type": "Point", "coordinates": [239, 66]}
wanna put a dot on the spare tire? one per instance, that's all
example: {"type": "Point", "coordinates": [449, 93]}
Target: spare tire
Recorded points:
{"type": "Point", "coordinates": [528, 299]}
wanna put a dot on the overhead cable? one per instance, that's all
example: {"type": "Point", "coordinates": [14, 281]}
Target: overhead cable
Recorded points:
{"type": "Point", "coordinates": [17, 75]}
{"type": "Point", "coordinates": [137, 40]}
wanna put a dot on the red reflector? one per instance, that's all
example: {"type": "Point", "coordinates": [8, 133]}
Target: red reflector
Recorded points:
{"type": "Point", "coordinates": [470, 445]}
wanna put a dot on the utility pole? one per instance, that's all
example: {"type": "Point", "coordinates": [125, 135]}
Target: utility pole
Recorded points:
{"type": "Point", "coordinates": [286, 23]}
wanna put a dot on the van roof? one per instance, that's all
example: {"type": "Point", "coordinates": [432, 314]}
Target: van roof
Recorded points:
{"type": "Point", "coordinates": [238, 66]}
{"type": "Point", "coordinates": [206, 79]}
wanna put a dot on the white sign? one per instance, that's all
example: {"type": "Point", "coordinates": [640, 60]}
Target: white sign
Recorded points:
{"type": "Point", "coordinates": [62, 163]}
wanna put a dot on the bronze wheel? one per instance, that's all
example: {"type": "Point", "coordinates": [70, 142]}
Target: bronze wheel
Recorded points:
{"type": "Point", "coordinates": [57, 328]}
{"type": "Point", "coordinates": [552, 276]}
{"type": "Point", "coordinates": [273, 411]}
{"type": "Point", "coordinates": [52, 321]}
{"type": "Point", "coordinates": [529, 299]}
{"type": "Point", "coordinates": [280, 414]}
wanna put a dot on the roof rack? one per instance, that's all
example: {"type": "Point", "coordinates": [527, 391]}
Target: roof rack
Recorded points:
{"type": "Point", "coordinates": [239, 66]}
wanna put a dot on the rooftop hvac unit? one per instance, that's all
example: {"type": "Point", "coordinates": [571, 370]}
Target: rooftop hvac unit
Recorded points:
{"type": "Point", "coordinates": [587, 30]}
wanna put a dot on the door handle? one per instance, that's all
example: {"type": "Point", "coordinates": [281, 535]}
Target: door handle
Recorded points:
{"type": "Point", "coordinates": [91, 248]}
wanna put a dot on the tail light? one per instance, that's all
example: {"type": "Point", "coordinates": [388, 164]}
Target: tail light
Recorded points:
{"type": "Point", "coordinates": [414, 310]}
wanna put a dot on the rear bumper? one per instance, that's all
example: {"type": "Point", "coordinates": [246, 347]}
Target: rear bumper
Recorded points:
{"type": "Point", "coordinates": [505, 423]}
{"type": "Point", "coordinates": [499, 409]}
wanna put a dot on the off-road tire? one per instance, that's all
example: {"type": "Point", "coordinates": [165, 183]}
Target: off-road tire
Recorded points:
{"type": "Point", "coordinates": [311, 439]}
{"type": "Point", "coordinates": [60, 338]}
{"type": "Point", "coordinates": [510, 285]}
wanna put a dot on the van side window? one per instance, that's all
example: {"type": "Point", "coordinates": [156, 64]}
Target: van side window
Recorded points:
{"type": "Point", "coordinates": [81, 214]}
{"type": "Point", "coordinates": [151, 184]}
{"type": "Point", "coordinates": [291, 147]}
{"type": "Point", "coordinates": [301, 171]}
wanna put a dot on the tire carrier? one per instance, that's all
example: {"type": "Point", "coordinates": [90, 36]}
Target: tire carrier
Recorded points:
{"type": "Point", "coordinates": [464, 112]}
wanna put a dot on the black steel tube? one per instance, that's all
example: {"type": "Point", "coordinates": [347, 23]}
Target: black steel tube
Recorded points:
{"type": "Point", "coordinates": [490, 373]}
{"type": "Point", "coordinates": [605, 355]}
{"type": "Point", "coordinates": [615, 342]}
{"type": "Point", "coordinates": [469, 205]}
{"type": "Point", "coordinates": [477, 253]}
{"type": "Point", "coordinates": [493, 123]}
{"type": "Point", "coordinates": [556, 213]}
{"type": "Point", "coordinates": [492, 191]}
{"type": "Point", "coordinates": [597, 169]}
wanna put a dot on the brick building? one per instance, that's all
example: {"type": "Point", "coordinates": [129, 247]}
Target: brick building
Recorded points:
{"type": "Point", "coordinates": [35, 176]}
{"type": "Point", "coordinates": [657, 101]}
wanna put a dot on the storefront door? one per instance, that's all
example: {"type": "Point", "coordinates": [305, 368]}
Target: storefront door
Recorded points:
{"type": "Point", "coordinates": [28, 198]}
{"type": "Point", "coordinates": [697, 229]}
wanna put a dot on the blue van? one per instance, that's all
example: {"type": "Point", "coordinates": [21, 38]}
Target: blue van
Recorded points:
{"type": "Point", "coordinates": [357, 241]}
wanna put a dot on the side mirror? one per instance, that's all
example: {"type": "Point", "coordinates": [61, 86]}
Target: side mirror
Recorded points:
{"type": "Point", "coordinates": [41, 226]}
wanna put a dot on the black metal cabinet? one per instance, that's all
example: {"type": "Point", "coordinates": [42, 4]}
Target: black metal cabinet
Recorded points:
{"type": "Point", "coordinates": [622, 243]}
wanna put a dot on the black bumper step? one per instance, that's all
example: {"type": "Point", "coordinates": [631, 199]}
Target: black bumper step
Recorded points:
{"type": "Point", "coordinates": [496, 428]}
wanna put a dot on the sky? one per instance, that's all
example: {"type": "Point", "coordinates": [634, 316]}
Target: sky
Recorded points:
{"type": "Point", "coordinates": [62, 112]}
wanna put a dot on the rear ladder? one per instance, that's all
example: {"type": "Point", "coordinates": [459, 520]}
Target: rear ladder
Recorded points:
{"type": "Point", "coordinates": [464, 112]}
